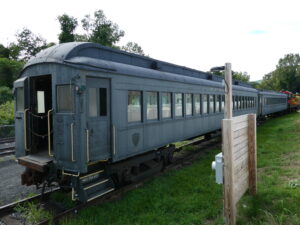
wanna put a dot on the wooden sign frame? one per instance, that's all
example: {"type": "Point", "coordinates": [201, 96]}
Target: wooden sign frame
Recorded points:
{"type": "Point", "coordinates": [239, 154]}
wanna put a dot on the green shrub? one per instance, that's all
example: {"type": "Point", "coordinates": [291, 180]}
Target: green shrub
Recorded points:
{"type": "Point", "coordinates": [7, 113]}
{"type": "Point", "coordinates": [5, 95]}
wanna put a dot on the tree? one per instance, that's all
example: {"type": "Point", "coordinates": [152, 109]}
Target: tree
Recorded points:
{"type": "Point", "coordinates": [14, 51]}
{"type": "Point", "coordinates": [9, 71]}
{"type": "Point", "coordinates": [7, 113]}
{"type": "Point", "coordinates": [68, 25]}
{"type": "Point", "coordinates": [4, 52]}
{"type": "Point", "coordinates": [286, 76]}
{"type": "Point", "coordinates": [5, 95]}
{"type": "Point", "coordinates": [269, 82]}
{"type": "Point", "coordinates": [101, 30]}
{"type": "Point", "coordinates": [288, 72]}
{"type": "Point", "coordinates": [133, 47]}
{"type": "Point", "coordinates": [29, 43]}
{"type": "Point", "coordinates": [241, 76]}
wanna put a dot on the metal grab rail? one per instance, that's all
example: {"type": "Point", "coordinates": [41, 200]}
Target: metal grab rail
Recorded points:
{"type": "Point", "coordinates": [72, 141]}
{"type": "Point", "coordinates": [114, 140]}
{"type": "Point", "coordinates": [25, 129]}
{"type": "Point", "coordinates": [49, 133]}
{"type": "Point", "coordinates": [87, 145]}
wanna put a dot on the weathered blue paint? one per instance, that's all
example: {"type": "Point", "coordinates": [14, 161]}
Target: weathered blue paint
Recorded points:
{"type": "Point", "coordinates": [86, 65]}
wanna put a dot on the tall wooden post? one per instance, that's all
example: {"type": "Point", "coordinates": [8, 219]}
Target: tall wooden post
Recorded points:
{"type": "Point", "coordinates": [227, 136]}
{"type": "Point", "coordinates": [252, 153]}
{"type": "Point", "coordinates": [239, 160]}
{"type": "Point", "coordinates": [228, 91]}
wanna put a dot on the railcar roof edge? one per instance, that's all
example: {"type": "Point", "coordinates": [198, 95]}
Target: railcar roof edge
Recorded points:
{"type": "Point", "coordinates": [63, 53]}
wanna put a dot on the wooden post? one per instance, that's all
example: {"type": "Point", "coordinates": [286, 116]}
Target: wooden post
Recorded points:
{"type": "Point", "coordinates": [229, 201]}
{"type": "Point", "coordinates": [228, 92]}
{"type": "Point", "coordinates": [227, 136]}
{"type": "Point", "coordinates": [252, 153]}
{"type": "Point", "coordinates": [239, 153]}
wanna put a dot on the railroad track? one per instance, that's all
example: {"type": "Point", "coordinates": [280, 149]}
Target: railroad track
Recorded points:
{"type": "Point", "coordinates": [181, 159]}
{"type": "Point", "coordinates": [7, 146]}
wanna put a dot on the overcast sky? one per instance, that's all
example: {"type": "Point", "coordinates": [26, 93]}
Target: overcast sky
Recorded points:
{"type": "Point", "coordinates": [251, 34]}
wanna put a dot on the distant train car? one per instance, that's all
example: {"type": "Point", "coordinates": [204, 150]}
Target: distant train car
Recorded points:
{"type": "Point", "coordinates": [90, 117]}
{"type": "Point", "coordinates": [272, 102]}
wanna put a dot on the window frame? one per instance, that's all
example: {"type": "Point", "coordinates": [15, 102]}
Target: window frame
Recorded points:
{"type": "Point", "coordinates": [74, 102]}
{"type": "Point", "coordinates": [185, 105]}
{"type": "Point", "coordinates": [161, 105]}
{"type": "Point", "coordinates": [203, 104]}
{"type": "Point", "coordinates": [194, 104]}
{"type": "Point", "coordinates": [157, 106]}
{"type": "Point", "coordinates": [141, 107]}
{"type": "Point", "coordinates": [182, 105]}
{"type": "Point", "coordinates": [22, 109]}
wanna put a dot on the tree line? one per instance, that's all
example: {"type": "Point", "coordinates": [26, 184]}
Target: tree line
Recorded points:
{"type": "Point", "coordinates": [97, 28]}
{"type": "Point", "coordinates": [286, 76]}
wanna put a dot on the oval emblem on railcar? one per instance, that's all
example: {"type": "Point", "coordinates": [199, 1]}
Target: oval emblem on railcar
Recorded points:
{"type": "Point", "coordinates": [135, 138]}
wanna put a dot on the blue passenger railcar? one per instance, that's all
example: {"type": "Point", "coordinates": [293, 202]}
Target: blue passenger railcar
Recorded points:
{"type": "Point", "coordinates": [272, 102]}
{"type": "Point", "coordinates": [89, 116]}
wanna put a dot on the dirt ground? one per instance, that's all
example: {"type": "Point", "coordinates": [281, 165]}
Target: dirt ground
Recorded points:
{"type": "Point", "coordinates": [10, 181]}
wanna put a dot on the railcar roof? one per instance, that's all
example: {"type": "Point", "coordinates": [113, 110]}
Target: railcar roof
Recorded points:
{"type": "Point", "coordinates": [267, 92]}
{"type": "Point", "coordinates": [95, 56]}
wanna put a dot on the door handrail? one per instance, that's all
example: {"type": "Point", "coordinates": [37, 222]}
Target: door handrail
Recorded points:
{"type": "Point", "coordinates": [49, 133]}
{"type": "Point", "coordinates": [25, 130]}
{"type": "Point", "coordinates": [87, 145]}
{"type": "Point", "coordinates": [72, 141]}
{"type": "Point", "coordinates": [114, 140]}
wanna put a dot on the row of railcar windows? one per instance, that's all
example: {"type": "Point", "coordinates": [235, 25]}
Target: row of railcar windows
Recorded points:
{"type": "Point", "coordinates": [195, 104]}
{"type": "Point", "coordinates": [273, 101]}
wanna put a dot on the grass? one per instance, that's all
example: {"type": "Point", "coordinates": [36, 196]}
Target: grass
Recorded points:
{"type": "Point", "coordinates": [190, 195]}
{"type": "Point", "coordinates": [33, 212]}
{"type": "Point", "coordinates": [278, 198]}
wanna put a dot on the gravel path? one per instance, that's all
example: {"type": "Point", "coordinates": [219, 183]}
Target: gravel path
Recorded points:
{"type": "Point", "coordinates": [10, 181]}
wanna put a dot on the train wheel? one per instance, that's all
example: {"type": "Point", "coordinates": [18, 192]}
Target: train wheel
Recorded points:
{"type": "Point", "coordinates": [170, 156]}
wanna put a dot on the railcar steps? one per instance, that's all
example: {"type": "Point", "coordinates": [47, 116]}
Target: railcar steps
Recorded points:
{"type": "Point", "coordinates": [93, 185]}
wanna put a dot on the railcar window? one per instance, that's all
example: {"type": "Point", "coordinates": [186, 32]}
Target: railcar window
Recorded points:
{"type": "Point", "coordinates": [134, 106]}
{"type": "Point", "coordinates": [166, 105]}
{"type": "Point", "coordinates": [243, 102]}
{"type": "Point", "coordinates": [103, 101]}
{"type": "Point", "coordinates": [249, 102]}
{"type": "Point", "coordinates": [188, 104]}
{"type": "Point", "coordinates": [20, 99]}
{"type": "Point", "coordinates": [65, 98]}
{"type": "Point", "coordinates": [234, 102]}
{"type": "Point", "coordinates": [223, 103]}
{"type": "Point", "coordinates": [211, 103]}
{"type": "Point", "coordinates": [178, 104]}
{"type": "Point", "coordinates": [92, 103]}
{"type": "Point", "coordinates": [152, 105]}
{"type": "Point", "coordinates": [205, 104]}
{"type": "Point", "coordinates": [40, 95]}
{"type": "Point", "coordinates": [218, 109]}
{"type": "Point", "coordinates": [197, 104]}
